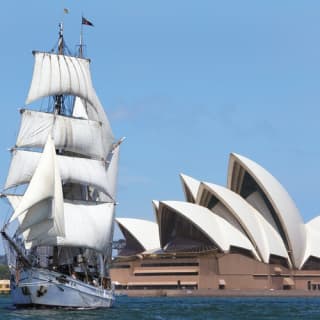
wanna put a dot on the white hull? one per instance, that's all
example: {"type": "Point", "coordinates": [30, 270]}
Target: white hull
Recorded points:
{"type": "Point", "coordinates": [45, 288]}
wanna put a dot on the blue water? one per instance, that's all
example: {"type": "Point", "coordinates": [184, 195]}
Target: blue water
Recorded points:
{"type": "Point", "coordinates": [179, 308]}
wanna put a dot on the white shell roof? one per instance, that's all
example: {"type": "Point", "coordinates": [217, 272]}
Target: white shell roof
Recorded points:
{"type": "Point", "coordinates": [144, 231]}
{"type": "Point", "coordinates": [288, 214]}
{"type": "Point", "coordinates": [263, 236]}
{"type": "Point", "coordinates": [216, 228]}
{"type": "Point", "coordinates": [155, 204]}
{"type": "Point", "coordinates": [313, 239]}
{"type": "Point", "coordinates": [190, 184]}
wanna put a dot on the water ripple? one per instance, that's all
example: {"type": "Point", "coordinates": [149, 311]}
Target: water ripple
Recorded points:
{"type": "Point", "coordinates": [178, 309]}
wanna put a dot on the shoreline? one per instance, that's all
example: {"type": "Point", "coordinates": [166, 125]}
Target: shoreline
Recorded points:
{"type": "Point", "coordinates": [218, 293]}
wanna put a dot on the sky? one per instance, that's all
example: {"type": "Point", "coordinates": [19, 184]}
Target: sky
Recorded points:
{"type": "Point", "coordinates": [187, 83]}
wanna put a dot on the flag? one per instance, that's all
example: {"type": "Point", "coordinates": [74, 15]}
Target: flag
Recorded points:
{"type": "Point", "coordinates": [87, 22]}
{"type": "Point", "coordinates": [65, 10]}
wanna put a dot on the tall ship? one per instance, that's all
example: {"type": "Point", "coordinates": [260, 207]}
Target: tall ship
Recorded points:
{"type": "Point", "coordinates": [61, 186]}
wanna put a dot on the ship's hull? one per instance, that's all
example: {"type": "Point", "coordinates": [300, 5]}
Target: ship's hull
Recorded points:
{"type": "Point", "coordinates": [45, 288]}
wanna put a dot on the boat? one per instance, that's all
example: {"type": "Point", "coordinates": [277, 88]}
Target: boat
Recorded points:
{"type": "Point", "coordinates": [61, 187]}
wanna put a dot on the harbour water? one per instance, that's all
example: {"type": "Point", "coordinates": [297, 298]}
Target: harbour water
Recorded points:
{"type": "Point", "coordinates": [166, 308]}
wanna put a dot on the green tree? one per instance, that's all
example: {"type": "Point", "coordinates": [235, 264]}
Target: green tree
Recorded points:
{"type": "Point", "coordinates": [4, 272]}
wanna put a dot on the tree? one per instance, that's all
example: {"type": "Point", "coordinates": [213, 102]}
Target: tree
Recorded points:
{"type": "Point", "coordinates": [4, 272]}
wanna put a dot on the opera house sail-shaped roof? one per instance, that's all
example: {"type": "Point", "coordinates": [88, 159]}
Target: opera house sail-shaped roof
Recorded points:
{"type": "Point", "coordinates": [185, 225]}
{"type": "Point", "coordinates": [312, 252]}
{"type": "Point", "coordinates": [238, 212]}
{"type": "Point", "coordinates": [190, 187]}
{"type": "Point", "coordinates": [267, 195]}
{"type": "Point", "coordinates": [141, 235]}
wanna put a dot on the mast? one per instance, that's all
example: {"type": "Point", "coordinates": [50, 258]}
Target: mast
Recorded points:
{"type": "Point", "coordinates": [58, 110]}
{"type": "Point", "coordinates": [81, 42]}
{"type": "Point", "coordinates": [61, 41]}
{"type": "Point", "coordinates": [59, 98]}
{"type": "Point", "coordinates": [85, 22]}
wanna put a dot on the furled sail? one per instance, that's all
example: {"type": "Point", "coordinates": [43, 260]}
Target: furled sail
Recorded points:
{"type": "Point", "coordinates": [76, 170]}
{"type": "Point", "coordinates": [85, 137]}
{"type": "Point", "coordinates": [43, 199]}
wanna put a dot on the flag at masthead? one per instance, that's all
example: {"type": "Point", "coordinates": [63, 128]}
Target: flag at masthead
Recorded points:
{"type": "Point", "coordinates": [85, 22]}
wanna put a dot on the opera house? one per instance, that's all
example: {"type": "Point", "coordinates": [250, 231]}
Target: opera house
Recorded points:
{"type": "Point", "coordinates": [247, 235]}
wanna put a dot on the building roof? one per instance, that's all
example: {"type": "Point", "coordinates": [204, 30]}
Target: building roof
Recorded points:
{"type": "Point", "coordinates": [145, 232]}
{"type": "Point", "coordinates": [237, 211]}
{"type": "Point", "coordinates": [247, 178]}
{"type": "Point", "coordinates": [215, 228]}
{"type": "Point", "coordinates": [313, 239]}
{"type": "Point", "coordinates": [190, 187]}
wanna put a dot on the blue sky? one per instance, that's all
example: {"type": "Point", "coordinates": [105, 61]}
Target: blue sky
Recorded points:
{"type": "Point", "coordinates": [187, 82]}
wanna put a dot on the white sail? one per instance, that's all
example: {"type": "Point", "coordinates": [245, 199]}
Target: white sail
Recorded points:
{"type": "Point", "coordinates": [56, 74]}
{"type": "Point", "coordinates": [86, 226]}
{"type": "Point", "coordinates": [85, 137]}
{"type": "Point", "coordinates": [38, 213]}
{"type": "Point", "coordinates": [76, 170]}
{"type": "Point", "coordinates": [101, 116]}
{"type": "Point", "coordinates": [21, 169]}
{"type": "Point", "coordinates": [43, 198]}
{"type": "Point", "coordinates": [14, 200]}
{"type": "Point", "coordinates": [96, 112]}
{"type": "Point", "coordinates": [94, 221]}
{"type": "Point", "coordinates": [112, 172]}
{"type": "Point", "coordinates": [79, 109]}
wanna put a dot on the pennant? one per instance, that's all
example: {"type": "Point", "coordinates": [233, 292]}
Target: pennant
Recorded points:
{"type": "Point", "coordinates": [87, 22]}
